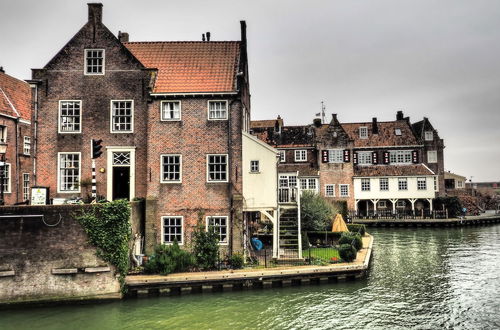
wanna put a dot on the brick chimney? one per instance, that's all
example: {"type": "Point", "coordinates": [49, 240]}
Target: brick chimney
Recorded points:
{"type": "Point", "coordinates": [122, 36]}
{"type": "Point", "coordinates": [1, 69]}
{"type": "Point", "coordinates": [374, 125]}
{"type": "Point", "coordinates": [95, 12]}
{"type": "Point", "coordinates": [400, 115]}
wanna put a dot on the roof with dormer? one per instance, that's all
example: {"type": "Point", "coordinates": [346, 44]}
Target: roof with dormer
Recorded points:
{"type": "Point", "coordinates": [390, 133]}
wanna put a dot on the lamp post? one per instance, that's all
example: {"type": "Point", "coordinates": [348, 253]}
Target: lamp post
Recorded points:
{"type": "Point", "coordinates": [3, 150]}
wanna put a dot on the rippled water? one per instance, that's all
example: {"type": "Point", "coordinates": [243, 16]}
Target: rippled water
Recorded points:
{"type": "Point", "coordinates": [420, 278]}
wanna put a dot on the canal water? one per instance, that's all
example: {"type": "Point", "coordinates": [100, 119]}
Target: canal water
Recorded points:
{"type": "Point", "coordinates": [419, 278]}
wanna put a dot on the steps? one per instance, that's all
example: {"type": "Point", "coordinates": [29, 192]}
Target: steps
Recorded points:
{"type": "Point", "coordinates": [288, 235]}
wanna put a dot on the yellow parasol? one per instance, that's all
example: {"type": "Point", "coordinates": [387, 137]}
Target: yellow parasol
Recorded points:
{"type": "Point", "coordinates": [339, 224]}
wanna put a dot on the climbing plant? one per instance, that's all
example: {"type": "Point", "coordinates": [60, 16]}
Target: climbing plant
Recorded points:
{"type": "Point", "coordinates": [108, 227]}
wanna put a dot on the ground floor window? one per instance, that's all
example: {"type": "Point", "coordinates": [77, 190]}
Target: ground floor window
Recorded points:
{"type": "Point", "coordinates": [422, 183]}
{"type": "Point", "coordinates": [69, 172]}
{"type": "Point", "coordinates": [219, 225]}
{"type": "Point", "coordinates": [330, 190]}
{"type": "Point", "coordinates": [172, 229]}
{"type": "Point", "coordinates": [26, 186]}
{"type": "Point", "coordinates": [344, 190]}
{"type": "Point", "coordinates": [401, 203]}
{"type": "Point", "coordinates": [310, 184]}
{"type": "Point", "coordinates": [6, 177]}
{"type": "Point", "coordinates": [382, 204]}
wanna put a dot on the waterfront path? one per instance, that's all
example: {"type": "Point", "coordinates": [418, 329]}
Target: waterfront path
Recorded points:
{"type": "Point", "coordinates": [257, 277]}
{"type": "Point", "coordinates": [467, 221]}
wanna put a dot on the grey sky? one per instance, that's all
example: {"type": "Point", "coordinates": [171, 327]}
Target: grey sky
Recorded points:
{"type": "Point", "coordinates": [364, 59]}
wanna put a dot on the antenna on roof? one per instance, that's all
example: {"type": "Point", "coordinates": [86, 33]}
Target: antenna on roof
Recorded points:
{"type": "Point", "coordinates": [322, 113]}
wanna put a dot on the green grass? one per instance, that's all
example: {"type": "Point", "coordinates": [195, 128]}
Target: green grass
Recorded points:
{"type": "Point", "coordinates": [325, 254]}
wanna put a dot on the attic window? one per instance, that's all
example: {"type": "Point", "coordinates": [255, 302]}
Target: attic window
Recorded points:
{"type": "Point", "coordinates": [429, 136]}
{"type": "Point", "coordinates": [363, 132]}
{"type": "Point", "coordinates": [397, 131]}
{"type": "Point", "coordinates": [94, 61]}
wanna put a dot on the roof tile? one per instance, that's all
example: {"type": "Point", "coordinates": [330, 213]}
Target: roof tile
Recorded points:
{"type": "Point", "coordinates": [15, 97]}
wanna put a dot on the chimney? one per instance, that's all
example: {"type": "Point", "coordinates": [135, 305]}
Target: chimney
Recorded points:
{"type": "Point", "coordinates": [317, 122]}
{"type": "Point", "coordinates": [95, 12]}
{"type": "Point", "coordinates": [203, 37]}
{"type": "Point", "coordinates": [122, 36]}
{"type": "Point", "coordinates": [374, 125]}
{"type": "Point", "coordinates": [1, 69]}
{"type": "Point", "coordinates": [334, 117]}
{"type": "Point", "coordinates": [208, 36]}
{"type": "Point", "coordinates": [243, 26]}
{"type": "Point", "coordinates": [399, 115]}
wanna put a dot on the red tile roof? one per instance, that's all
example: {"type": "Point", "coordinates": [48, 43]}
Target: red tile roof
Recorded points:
{"type": "Point", "coordinates": [15, 97]}
{"type": "Point", "coordinates": [190, 67]}
{"type": "Point", "coordinates": [266, 123]}
{"type": "Point", "coordinates": [386, 134]}
{"type": "Point", "coordinates": [392, 170]}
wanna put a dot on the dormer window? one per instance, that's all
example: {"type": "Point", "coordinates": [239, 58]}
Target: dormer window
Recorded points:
{"type": "Point", "coordinates": [397, 131]}
{"type": "Point", "coordinates": [94, 61]}
{"type": "Point", "coordinates": [363, 132]}
{"type": "Point", "coordinates": [429, 136]}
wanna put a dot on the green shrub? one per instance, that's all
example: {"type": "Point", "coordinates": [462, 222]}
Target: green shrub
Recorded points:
{"type": "Point", "coordinates": [169, 259]}
{"type": "Point", "coordinates": [205, 248]}
{"type": "Point", "coordinates": [325, 237]}
{"type": "Point", "coordinates": [236, 261]}
{"type": "Point", "coordinates": [316, 212]}
{"type": "Point", "coordinates": [353, 239]}
{"type": "Point", "coordinates": [341, 207]}
{"type": "Point", "coordinates": [452, 204]}
{"type": "Point", "coordinates": [355, 228]}
{"type": "Point", "coordinates": [347, 252]}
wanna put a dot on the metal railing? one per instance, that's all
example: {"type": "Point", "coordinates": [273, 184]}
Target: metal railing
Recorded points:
{"type": "Point", "coordinates": [399, 214]}
{"type": "Point", "coordinates": [287, 195]}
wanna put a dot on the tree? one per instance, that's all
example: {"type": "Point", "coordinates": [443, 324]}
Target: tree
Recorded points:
{"type": "Point", "coordinates": [316, 212]}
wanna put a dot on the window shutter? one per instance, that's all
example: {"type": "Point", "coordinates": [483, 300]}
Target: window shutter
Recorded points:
{"type": "Point", "coordinates": [374, 157]}
{"type": "Point", "coordinates": [355, 158]}
{"type": "Point", "coordinates": [414, 156]}
{"type": "Point", "coordinates": [347, 156]}
{"type": "Point", "coordinates": [324, 156]}
{"type": "Point", "coordinates": [386, 157]}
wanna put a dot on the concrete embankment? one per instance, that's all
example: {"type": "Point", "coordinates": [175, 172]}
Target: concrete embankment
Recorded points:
{"type": "Point", "coordinates": [455, 222]}
{"type": "Point", "coordinates": [180, 283]}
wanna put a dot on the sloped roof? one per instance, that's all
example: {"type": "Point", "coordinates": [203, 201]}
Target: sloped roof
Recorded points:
{"type": "Point", "coordinates": [190, 67]}
{"type": "Point", "coordinates": [304, 169]}
{"type": "Point", "coordinates": [392, 170]}
{"type": "Point", "coordinates": [15, 97]}
{"type": "Point", "coordinates": [290, 136]}
{"type": "Point", "coordinates": [386, 134]}
{"type": "Point", "coordinates": [266, 123]}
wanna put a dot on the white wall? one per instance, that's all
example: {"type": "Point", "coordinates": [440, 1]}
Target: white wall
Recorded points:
{"type": "Point", "coordinates": [393, 191]}
{"type": "Point", "coordinates": [259, 189]}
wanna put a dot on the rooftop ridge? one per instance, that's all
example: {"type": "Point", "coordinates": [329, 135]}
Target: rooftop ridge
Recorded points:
{"type": "Point", "coordinates": [182, 42]}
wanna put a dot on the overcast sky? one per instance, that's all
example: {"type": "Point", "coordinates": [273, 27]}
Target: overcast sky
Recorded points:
{"type": "Point", "coordinates": [364, 59]}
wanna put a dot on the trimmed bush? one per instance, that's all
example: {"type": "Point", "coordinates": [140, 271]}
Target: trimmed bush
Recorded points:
{"type": "Point", "coordinates": [236, 261]}
{"type": "Point", "coordinates": [353, 239]}
{"type": "Point", "coordinates": [206, 248]}
{"type": "Point", "coordinates": [169, 259]}
{"type": "Point", "coordinates": [355, 228]}
{"type": "Point", "coordinates": [347, 252]}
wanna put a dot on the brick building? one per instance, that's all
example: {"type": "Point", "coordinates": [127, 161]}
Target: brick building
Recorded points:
{"type": "Point", "coordinates": [171, 116]}
{"type": "Point", "coordinates": [15, 131]}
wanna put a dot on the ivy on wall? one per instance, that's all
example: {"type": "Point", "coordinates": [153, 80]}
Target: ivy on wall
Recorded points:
{"type": "Point", "coordinates": [108, 228]}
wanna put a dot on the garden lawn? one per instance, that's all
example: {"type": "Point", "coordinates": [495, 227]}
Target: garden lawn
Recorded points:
{"type": "Point", "coordinates": [325, 254]}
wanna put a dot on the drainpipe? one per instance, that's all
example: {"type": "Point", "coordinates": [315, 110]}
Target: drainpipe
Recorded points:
{"type": "Point", "coordinates": [18, 163]}
{"type": "Point", "coordinates": [230, 183]}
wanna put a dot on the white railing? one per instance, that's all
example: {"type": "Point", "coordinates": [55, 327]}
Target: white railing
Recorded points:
{"type": "Point", "coordinates": [287, 195]}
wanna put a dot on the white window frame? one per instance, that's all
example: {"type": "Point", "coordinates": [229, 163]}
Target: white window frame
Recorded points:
{"type": "Point", "coordinates": [282, 156]}
{"type": "Point", "coordinates": [162, 180]}
{"type": "Point", "coordinates": [365, 184]}
{"type": "Point", "coordinates": [305, 184]}
{"type": "Point", "coordinates": [436, 185]}
{"type": "Point", "coordinates": [406, 155]}
{"type": "Point", "coordinates": [111, 118]}
{"type": "Point", "coordinates": [428, 135]}
{"type": "Point", "coordinates": [421, 183]}
{"type": "Point", "coordinates": [365, 157]}
{"type": "Point", "coordinates": [27, 145]}
{"type": "Point", "coordinates": [254, 166]}
{"type": "Point", "coordinates": [226, 242]}
{"type": "Point", "coordinates": [26, 187]}
{"type": "Point", "coordinates": [340, 190]}
{"type": "Point", "coordinates": [382, 204]}
{"type": "Point", "coordinates": [163, 118]}
{"type": "Point", "coordinates": [85, 72]}
{"type": "Point", "coordinates": [163, 229]}
{"type": "Point", "coordinates": [59, 154]}
{"type": "Point", "coordinates": [363, 132]}
{"type": "Point", "coordinates": [400, 182]}
{"type": "Point", "coordinates": [300, 153]}
{"type": "Point", "coordinates": [215, 101]}
{"type": "Point", "coordinates": [335, 156]}
{"type": "Point", "coordinates": [432, 156]}
{"type": "Point", "coordinates": [384, 186]}
{"type": "Point", "coordinates": [398, 132]}
{"type": "Point", "coordinates": [7, 178]}
{"type": "Point", "coordinates": [59, 121]}
{"type": "Point", "coordinates": [208, 168]}
{"type": "Point", "coordinates": [332, 193]}
{"type": "Point", "coordinates": [460, 184]}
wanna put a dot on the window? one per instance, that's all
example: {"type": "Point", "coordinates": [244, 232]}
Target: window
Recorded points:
{"type": "Point", "coordinates": [436, 187]}
{"type": "Point", "coordinates": [336, 156]}
{"type": "Point", "coordinates": [170, 110]}
{"type": "Point", "coordinates": [432, 156]}
{"type": "Point", "coordinates": [300, 155]}
{"type": "Point", "coordinates": [6, 177]}
{"type": "Point", "coordinates": [402, 183]}
{"type": "Point", "coordinates": [344, 190]}
{"type": "Point", "coordinates": [364, 157]}
{"type": "Point", "coordinates": [363, 132]}
{"type": "Point", "coordinates": [70, 116]}
{"type": "Point", "coordinates": [460, 184]}
{"type": "Point", "coordinates": [384, 184]}
{"type": "Point", "coordinates": [171, 168]}
{"type": "Point", "coordinates": [219, 226]}
{"type": "Point", "coordinates": [122, 116]}
{"type": "Point", "coordinates": [309, 184]}
{"type": "Point", "coordinates": [217, 110]}
{"type": "Point", "coordinates": [27, 145]}
{"type": "Point", "coordinates": [3, 133]}
{"type": "Point", "coordinates": [429, 135]}
{"type": "Point", "coordinates": [26, 186]}
{"type": "Point", "coordinates": [421, 183]}
{"type": "Point", "coordinates": [365, 184]}
{"type": "Point", "coordinates": [329, 190]}
{"type": "Point", "coordinates": [397, 131]}
{"type": "Point", "coordinates": [282, 156]}
{"type": "Point", "coordinates": [94, 61]}
{"type": "Point", "coordinates": [69, 172]}
{"type": "Point", "coordinates": [401, 204]}
{"type": "Point", "coordinates": [254, 166]}
{"type": "Point", "coordinates": [382, 204]}
{"type": "Point", "coordinates": [286, 181]}
{"type": "Point", "coordinates": [172, 229]}
{"type": "Point", "coordinates": [217, 168]}
{"type": "Point", "coordinates": [400, 156]}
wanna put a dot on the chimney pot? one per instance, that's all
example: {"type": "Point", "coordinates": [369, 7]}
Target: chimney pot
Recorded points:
{"type": "Point", "coordinates": [400, 115]}
{"type": "Point", "coordinates": [203, 37]}
{"type": "Point", "coordinates": [317, 122]}
{"type": "Point", "coordinates": [123, 36]}
{"type": "Point", "coordinates": [95, 12]}
{"type": "Point", "coordinates": [208, 36]}
{"type": "Point", "coordinates": [374, 125]}
{"type": "Point", "coordinates": [1, 69]}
